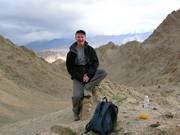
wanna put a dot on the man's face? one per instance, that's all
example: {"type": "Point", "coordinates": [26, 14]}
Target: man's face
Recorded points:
{"type": "Point", "coordinates": [80, 38]}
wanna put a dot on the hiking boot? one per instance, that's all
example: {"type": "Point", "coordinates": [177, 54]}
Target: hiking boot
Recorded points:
{"type": "Point", "coordinates": [77, 105]}
{"type": "Point", "coordinates": [87, 94]}
{"type": "Point", "coordinates": [76, 117]}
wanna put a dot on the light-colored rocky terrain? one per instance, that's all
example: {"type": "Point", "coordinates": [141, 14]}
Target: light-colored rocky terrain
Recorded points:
{"type": "Point", "coordinates": [155, 61]}
{"type": "Point", "coordinates": [35, 96]}
{"type": "Point", "coordinates": [29, 86]}
{"type": "Point", "coordinates": [130, 103]}
{"type": "Point", "coordinates": [52, 56]}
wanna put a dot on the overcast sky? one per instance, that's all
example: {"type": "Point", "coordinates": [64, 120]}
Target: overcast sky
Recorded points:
{"type": "Point", "coordinates": [24, 21]}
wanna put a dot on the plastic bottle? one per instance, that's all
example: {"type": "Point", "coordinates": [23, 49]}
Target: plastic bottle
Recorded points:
{"type": "Point", "coordinates": [146, 102]}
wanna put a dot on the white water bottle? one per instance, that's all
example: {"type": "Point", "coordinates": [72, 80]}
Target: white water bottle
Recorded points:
{"type": "Point", "coordinates": [146, 102]}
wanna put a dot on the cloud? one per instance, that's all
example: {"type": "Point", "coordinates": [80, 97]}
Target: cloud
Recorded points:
{"type": "Point", "coordinates": [24, 21]}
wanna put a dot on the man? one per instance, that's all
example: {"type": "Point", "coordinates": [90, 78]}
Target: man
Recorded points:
{"type": "Point", "coordinates": [82, 64]}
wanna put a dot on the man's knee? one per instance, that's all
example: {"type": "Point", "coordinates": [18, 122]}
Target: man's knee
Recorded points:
{"type": "Point", "coordinates": [78, 93]}
{"type": "Point", "coordinates": [103, 72]}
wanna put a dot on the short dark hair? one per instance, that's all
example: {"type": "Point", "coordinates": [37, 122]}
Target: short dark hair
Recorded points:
{"type": "Point", "coordinates": [81, 31]}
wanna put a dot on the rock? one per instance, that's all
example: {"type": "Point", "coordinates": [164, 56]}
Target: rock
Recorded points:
{"type": "Point", "coordinates": [89, 103]}
{"type": "Point", "coordinates": [87, 108]}
{"type": "Point", "coordinates": [157, 124]}
{"type": "Point", "coordinates": [169, 115]}
{"type": "Point", "coordinates": [178, 127]}
{"type": "Point", "coordinates": [62, 130]}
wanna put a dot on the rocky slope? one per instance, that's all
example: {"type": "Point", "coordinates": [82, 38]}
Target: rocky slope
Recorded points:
{"type": "Point", "coordinates": [23, 67]}
{"type": "Point", "coordinates": [129, 101]}
{"type": "Point", "coordinates": [29, 86]}
{"type": "Point", "coordinates": [52, 56]}
{"type": "Point", "coordinates": [155, 61]}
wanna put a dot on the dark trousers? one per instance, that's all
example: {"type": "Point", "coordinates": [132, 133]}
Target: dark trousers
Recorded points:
{"type": "Point", "coordinates": [78, 87]}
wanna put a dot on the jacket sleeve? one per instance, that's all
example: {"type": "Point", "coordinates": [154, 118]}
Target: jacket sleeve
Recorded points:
{"type": "Point", "coordinates": [94, 63]}
{"type": "Point", "coordinates": [71, 70]}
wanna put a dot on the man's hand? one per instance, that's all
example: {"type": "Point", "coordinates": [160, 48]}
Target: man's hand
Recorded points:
{"type": "Point", "coordinates": [85, 78]}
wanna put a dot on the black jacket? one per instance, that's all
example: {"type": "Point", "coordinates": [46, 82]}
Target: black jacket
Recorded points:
{"type": "Point", "coordinates": [78, 71]}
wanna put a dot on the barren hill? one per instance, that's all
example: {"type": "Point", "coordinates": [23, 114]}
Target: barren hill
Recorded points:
{"type": "Point", "coordinates": [155, 61]}
{"type": "Point", "coordinates": [29, 86]}
{"type": "Point", "coordinates": [129, 101]}
{"type": "Point", "coordinates": [52, 56]}
{"type": "Point", "coordinates": [23, 67]}
{"type": "Point", "coordinates": [167, 33]}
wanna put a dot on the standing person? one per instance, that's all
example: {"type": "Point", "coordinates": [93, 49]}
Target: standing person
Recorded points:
{"type": "Point", "coordinates": [82, 65]}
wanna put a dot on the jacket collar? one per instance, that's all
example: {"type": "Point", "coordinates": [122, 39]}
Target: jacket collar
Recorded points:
{"type": "Point", "coordinates": [73, 46]}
